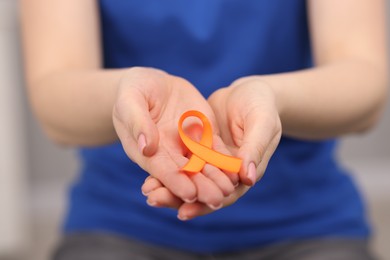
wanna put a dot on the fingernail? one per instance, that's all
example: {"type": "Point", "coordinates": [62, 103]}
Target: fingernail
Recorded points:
{"type": "Point", "coordinates": [151, 203]}
{"type": "Point", "coordinates": [252, 172]}
{"type": "Point", "coordinates": [215, 207]}
{"type": "Point", "coordinates": [146, 191]}
{"type": "Point", "coordinates": [236, 184]}
{"type": "Point", "coordinates": [182, 218]}
{"type": "Point", "coordinates": [141, 143]}
{"type": "Point", "coordinates": [190, 200]}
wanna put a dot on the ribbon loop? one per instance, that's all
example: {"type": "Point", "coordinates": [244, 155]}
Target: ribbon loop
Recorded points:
{"type": "Point", "coordinates": [202, 152]}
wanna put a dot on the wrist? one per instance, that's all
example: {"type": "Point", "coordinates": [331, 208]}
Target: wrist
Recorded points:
{"type": "Point", "coordinates": [278, 95]}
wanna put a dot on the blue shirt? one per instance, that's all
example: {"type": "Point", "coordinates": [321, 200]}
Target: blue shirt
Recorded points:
{"type": "Point", "coordinates": [304, 193]}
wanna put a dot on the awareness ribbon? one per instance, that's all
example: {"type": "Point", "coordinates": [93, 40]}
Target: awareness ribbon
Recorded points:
{"type": "Point", "coordinates": [202, 152]}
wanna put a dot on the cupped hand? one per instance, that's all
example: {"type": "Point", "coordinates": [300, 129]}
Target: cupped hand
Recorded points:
{"type": "Point", "coordinates": [148, 106]}
{"type": "Point", "coordinates": [247, 113]}
{"type": "Point", "coordinates": [248, 116]}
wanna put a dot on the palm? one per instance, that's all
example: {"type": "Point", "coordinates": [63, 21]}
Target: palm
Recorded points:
{"type": "Point", "coordinates": [163, 99]}
{"type": "Point", "coordinates": [171, 154]}
{"type": "Point", "coordinates": [250, 129]}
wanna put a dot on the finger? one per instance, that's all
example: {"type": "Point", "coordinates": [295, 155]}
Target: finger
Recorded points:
{"type": "Point", "coordinates": [208, 192]}
{"type": "Point", "coordinates": [150, 184]}
{"type": "Point", "coordinates": [137, 120]}
{"type": "Point", "coordinates": [220, 146]}
{"type": "Point", "coordinates": [259, 130]}
{"type": "Point", "coordinates": [260, 170]}
{"type": "Point", "coordinates": [219, 178]}
{"type": "Point", "coordinates": [189, 211]}
{"type": "Point", "coordinates": [164, 167]}
{"type": "Point", "coordinates": [162, 197]}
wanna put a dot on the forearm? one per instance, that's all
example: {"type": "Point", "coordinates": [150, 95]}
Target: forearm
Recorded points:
{"type": "Point", "coordinates": [330, 100]}
{"type": "Point", "coordinates": [75, 107]}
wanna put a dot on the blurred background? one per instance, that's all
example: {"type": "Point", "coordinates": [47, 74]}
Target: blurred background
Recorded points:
{"type": "Point", "coordinates": [35, 174]}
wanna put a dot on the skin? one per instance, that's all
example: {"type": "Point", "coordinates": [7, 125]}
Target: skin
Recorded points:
{"type": "Point", "coordinates": [344, 93]}
{"type": "Point", "coordinates": [66, 81]}
{"type": "Point", "coordinates": [145, 116]}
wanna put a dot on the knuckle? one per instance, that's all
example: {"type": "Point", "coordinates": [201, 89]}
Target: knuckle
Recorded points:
{"type": "Point", "coordinates": [255, 150]}
{"type": "Point", "coordinates": [213, 198]}
{"type": "Point", "coordinates": [259, 151]}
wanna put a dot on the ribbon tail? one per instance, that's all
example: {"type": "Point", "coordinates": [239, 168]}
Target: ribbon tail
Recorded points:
{"type": "Point", "coordinates": [194, 165]}
{"type": "Point", "coordinates": [221, 161]}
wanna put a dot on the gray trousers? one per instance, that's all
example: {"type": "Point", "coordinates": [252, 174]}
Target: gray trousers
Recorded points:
{"type": "Point", "coordinates": [95, 246]}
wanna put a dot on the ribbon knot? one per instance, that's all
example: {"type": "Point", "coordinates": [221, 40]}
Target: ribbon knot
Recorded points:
{"type": "Point", "coordinates": [202, 152]}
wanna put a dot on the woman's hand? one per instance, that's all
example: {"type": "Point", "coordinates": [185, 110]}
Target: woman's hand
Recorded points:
{"type": "Point", "coordinates": [248, 114]}
{"type": "Point", "coordinates": [161, 197]}
{"type": "Point", "coordinates": [248, 117]}
{"type": "Point", "coordinates": [147, 109]}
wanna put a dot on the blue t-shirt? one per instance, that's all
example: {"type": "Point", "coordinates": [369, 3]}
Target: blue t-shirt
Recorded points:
{"type": "Point", "coordinates": [304, 193]}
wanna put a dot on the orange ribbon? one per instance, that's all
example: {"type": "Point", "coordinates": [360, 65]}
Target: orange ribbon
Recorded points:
{"type": "Point", "coordinates": [202, 152]}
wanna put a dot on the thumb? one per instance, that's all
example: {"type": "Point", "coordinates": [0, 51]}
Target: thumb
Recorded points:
{"type": "Point", "coordinates": [257, 137]}
{"type": "Point", "coordinates": [137, 124]}
{"type": "Point", "coordinates": [144, 131]}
